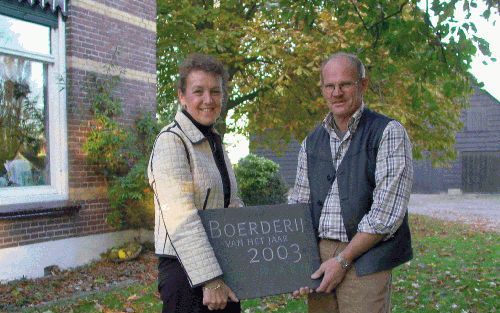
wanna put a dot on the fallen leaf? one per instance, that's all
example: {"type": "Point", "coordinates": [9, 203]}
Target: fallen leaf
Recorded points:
{"type": "Point", "coordinates": [98, 307]}
{"type": "Point", "coordinates": [133, 297]}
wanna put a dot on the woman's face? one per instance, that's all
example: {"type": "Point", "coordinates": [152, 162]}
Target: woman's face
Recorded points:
{"type": "Point", "coordinates": [203, 97]}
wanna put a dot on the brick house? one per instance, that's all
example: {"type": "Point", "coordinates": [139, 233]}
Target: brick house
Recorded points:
{"type": "Point", "coordinates": [52, 205]}
{"type": "Point", "coordinates": [476, 169]}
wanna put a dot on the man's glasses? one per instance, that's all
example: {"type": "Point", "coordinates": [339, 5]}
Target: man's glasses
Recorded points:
{"type": "Point", "coordinates": [343, 86]}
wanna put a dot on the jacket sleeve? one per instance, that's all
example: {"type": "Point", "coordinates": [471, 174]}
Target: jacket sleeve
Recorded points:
{"type": "Point", "coordinates": [172, 181]}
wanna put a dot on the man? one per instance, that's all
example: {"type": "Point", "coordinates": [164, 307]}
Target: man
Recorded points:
{"type": "Point", "coordinates": [355, 169]}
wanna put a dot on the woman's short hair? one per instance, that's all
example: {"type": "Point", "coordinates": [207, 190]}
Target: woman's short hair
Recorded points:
{"type": "Point", "coordinates": [201, 62]}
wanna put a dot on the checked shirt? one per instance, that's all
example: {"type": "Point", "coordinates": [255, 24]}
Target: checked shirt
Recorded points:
{"type": "Point", "coordinates": [393, 179]}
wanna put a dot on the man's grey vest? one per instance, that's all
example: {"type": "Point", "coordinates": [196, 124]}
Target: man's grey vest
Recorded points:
{"type": "Point", "coordinates": [356, 180]}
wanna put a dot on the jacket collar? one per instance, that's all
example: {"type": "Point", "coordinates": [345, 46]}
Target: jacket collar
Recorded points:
{"type": "Point", "coordinates": [189, 129]}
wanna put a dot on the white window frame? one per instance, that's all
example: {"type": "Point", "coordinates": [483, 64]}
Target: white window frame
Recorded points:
{"type": "Point", "coordinates": [58, 189]}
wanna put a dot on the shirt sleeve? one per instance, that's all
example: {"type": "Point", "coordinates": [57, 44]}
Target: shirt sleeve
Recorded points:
{"type": "Point", "coordinates": [301, 191]}
{"type": "Point", "coordinates": [393, 181]}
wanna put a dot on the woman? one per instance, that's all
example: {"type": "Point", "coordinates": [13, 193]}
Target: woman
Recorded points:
{"type": "Point", "coordinates": [189, 171]}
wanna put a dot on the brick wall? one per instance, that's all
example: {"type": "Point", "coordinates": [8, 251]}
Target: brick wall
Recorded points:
{"type": "Point", "coordinates": [98, 33]}
{"type": "Point", "coordinates": [33, 230]}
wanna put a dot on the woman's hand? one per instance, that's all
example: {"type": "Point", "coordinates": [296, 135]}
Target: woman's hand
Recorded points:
{"type": "Point", "coordinates": [301, 292]}
{"type": "Point", "coordinates": [216, 293]}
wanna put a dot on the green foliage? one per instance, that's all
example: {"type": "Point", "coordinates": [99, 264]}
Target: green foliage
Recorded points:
{"type": "Point", "coordinates": [418, 66]}
{"type": "Point", "coordinates": [133, 197]}
{"type": "Point", "coordinates": [105, 143]}
{"type": "Point", "coordinates": [259, 181]}
{"type": "Point", "coordinates": [120, 153]}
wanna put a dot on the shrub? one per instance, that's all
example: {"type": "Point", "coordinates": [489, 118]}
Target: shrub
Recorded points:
{"type": "Point", "coordinates": [259, 181]}
{"type": "Point", "coordinates": [120, 153]}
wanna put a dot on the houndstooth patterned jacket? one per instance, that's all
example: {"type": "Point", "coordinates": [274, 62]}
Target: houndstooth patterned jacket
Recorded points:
{"type": "Point", "coordinates": [181, 170]}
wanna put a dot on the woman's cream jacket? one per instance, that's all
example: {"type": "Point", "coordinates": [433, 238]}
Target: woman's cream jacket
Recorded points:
{"type": "Point", "coordinates": [181, 169]}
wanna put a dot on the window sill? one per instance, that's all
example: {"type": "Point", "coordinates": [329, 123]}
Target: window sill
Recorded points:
{"type": "Point", "coordinates": [33, 210]}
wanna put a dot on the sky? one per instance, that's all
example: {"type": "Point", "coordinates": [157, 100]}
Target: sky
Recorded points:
{"type": "Point", "coordinates": [489, 74]}
{"type": "Point", "coordinates": [237, 145]}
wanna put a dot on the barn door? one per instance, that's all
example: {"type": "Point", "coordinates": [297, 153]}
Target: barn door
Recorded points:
{"type": "Point", "coordinates": [481, 171]}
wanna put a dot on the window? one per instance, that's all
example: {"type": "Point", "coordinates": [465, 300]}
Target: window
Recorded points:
{"type": "Point", "coordinates": [33, 145]}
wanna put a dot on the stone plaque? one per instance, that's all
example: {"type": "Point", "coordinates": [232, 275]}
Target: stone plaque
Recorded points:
{"type": "Point", "coordinates": [264, 250]}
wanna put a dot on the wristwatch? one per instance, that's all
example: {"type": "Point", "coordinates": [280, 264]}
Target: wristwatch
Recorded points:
{"type": "Point", "coordinates": [343, 262]}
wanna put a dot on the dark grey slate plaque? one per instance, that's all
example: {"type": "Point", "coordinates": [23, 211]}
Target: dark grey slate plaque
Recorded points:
{"type": "Point", "coordinates": [264, 250]}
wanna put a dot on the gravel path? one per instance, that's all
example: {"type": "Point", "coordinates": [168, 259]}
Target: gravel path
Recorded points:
{"type": "Point", "coordinates": [482, 210]}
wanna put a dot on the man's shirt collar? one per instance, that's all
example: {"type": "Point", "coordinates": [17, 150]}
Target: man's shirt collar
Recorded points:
{"type": "Point", "coordinates": [328, 122]}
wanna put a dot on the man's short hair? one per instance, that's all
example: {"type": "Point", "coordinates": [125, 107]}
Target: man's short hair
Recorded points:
{"type": "Point", "coordinates": [352, 58]}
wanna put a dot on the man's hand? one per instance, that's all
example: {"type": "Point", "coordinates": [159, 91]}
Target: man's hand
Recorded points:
{"type": "Point", "coordinates": [216, 293]}
{"type": "Point", "coordinates": [332, 274]}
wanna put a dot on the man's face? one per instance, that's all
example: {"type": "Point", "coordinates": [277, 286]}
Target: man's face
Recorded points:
{"type": "Point", "coordinates": [342, 88]}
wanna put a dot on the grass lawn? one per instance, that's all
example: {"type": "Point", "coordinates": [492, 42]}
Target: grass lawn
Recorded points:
{"type": "Point", "coordinates": [455, 269]}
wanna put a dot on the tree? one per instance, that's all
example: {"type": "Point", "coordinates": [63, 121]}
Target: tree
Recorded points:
{"type": "Point", "coordinates": [417, 59]}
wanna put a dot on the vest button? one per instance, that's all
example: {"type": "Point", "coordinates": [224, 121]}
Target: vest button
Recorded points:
{"type": "Point", "coordinates": [319, 202]}
{"type": "Point", "coordinates": [329, 177]}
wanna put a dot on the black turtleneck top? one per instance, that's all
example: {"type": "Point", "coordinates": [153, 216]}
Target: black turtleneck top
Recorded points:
{"type": "Point", "coordinates": [216, 145]}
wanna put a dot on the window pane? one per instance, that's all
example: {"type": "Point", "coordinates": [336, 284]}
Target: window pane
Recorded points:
{"type": "Point", "coordinates": [23, 123]}
{"type": "Point", "coordinates": [24, 36]}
